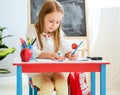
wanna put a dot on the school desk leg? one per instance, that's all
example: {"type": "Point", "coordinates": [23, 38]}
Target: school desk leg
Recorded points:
{"type": "Point", "coordinates": [19, 80]}
{"type": "Point", "coordinates": [103, 80]}
{"type": "Point", "coordinates": [93, 85]}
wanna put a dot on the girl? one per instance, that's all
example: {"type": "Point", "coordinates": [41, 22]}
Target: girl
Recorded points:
{"type": "Point", "coordinates": [49, 41]}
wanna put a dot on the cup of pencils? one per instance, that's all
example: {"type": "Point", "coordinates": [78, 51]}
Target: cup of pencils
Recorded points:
{"type": "Point", "coordinates": [26, 52]}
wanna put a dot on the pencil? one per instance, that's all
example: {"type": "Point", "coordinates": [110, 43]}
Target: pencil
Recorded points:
{"type": "Point", "coordinates": [76, 48]}
{"type": "Point", "coordinates": [33, 41]}
{"type": "Point", "coordinates": [28, 41]}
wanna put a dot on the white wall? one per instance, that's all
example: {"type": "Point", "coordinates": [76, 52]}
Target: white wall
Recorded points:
{"type": "Point", "coordinates": [108, 43]}
{"type": "Point", "coordinates": [13, 15]}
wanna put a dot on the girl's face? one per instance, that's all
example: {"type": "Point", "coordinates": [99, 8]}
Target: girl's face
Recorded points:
{"type": "Point", "coordinates": [52, 21]}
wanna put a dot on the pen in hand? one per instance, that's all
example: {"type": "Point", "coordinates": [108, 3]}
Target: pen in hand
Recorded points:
{"type": "Point", "coordinates": [76, 48]}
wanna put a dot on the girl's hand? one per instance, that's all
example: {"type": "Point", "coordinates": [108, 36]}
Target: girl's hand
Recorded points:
{"type": "Point", "coordinates": [55, 56]}
{"type": "Point", "coordinates": [71, 57]}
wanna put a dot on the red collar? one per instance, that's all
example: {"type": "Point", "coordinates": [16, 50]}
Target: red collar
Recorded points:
{"type": "Point", "coordinates": [46, 35]}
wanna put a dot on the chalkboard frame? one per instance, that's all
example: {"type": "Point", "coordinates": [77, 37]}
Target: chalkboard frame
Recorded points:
{"type": "Point", "coordinates": [80, 32]}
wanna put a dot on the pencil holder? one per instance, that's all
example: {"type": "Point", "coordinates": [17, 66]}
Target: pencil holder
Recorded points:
{"type": "Point", "coordinates": [26, 53]}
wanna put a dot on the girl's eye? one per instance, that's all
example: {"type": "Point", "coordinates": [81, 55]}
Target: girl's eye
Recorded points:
{"type": "Point", "coordinates": [57, 22]}
{"type": "Point", "coordinates": [50, 21]}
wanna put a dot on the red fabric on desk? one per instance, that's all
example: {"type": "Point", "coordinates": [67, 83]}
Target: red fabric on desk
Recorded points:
{"type": "Point", "coordinates": [76, 86]}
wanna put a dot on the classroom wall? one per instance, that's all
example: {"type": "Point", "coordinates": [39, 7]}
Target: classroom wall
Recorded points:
{"type": "Point", "coordinates": [13, 15]}
{"type": "Point", "coordinates": [107, 44]}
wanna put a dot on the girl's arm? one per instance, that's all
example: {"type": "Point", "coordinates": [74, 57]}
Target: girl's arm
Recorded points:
{"type": "Point", "coordinates": [53, 56]}
{"type": "Point", "coordinates": [66, 48]}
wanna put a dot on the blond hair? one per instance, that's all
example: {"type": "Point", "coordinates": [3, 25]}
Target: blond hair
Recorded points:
{"type": "Point", "coordinates": [49, 6]}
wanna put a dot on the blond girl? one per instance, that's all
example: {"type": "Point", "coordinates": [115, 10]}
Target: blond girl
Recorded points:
{"type": "Point", "coordinates": [49, 42]}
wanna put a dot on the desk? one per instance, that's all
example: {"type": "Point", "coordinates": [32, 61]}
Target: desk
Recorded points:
{"type": "Point", "coordinates": [65, 66]}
